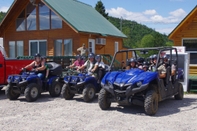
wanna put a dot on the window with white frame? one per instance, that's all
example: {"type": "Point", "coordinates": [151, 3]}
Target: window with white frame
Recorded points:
{"type": "Point", "coordinates": [116, 48]}
{"type": "Point", "coordinates": [38, 46]}
{"type": "Point", "coordinates": [63, 47]}
{"type": "Point", "coordinates": [16, 48]}
{"type": "Point", "coordinates": [191, 47]}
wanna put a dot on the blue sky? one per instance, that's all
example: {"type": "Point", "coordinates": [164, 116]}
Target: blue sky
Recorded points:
{"type": "Point", "coordinates": [161, 15]}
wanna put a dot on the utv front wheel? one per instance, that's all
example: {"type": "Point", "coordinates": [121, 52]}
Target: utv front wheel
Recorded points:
{"type": "Point", "coordinates": [66, 93]}
{"type": "Point", "coordinates": [9, 92]}
{"type": "Point", "coordinates": [180, 94]}
{"type": "Point", "coordinates": [151, 103]}
{"type": "Point", "coordinates": [32, 92]}
{"type": "Point", "coordinates": [88, 93]}
{"type": "Point", "coordinates": [55, 89]}
{"type": "Point", "coordinates": [103, 99]}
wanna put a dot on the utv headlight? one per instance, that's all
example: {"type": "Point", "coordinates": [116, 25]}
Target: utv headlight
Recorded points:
{"type": "Point", "coordinates": [139, 83]}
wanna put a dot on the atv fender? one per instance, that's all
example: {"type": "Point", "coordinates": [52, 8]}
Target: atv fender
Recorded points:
{"type": "Point", "coordinates": [109, 88]}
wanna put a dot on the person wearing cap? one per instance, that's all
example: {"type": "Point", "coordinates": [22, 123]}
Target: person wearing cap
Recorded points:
{"type": "Point", "coordinates": [37, 66]}
{"type": "Point", "coordinates": [89, 64]}
{"type": "Point", "coordinates": [153, 61]}
{"type": "Point", "coordinates": [162, 68]}
{"type": "Point", "coordinates": [145, 66]}
{"type": "Point", "coordinates": [132, 64]}
{"type": "Point", "coordinates": [99, 68]}
{"type": "Point", "coordinates": [140, 63]}
{"type": "Point", "coordinates": [83, 50]}
{"type": "Point", "coordinates": [78, 63]}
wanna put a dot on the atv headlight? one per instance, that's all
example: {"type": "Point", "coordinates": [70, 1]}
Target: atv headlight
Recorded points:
{"type": "Point", "coordinates": [139, 83]}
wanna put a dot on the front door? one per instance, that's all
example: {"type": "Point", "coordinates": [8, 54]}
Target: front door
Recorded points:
{"type": "Point", "coordinates": [91, 45]}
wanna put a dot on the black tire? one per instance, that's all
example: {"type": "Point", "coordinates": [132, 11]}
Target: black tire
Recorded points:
{"type": "Point", "coordinates": [180, 94]}
{"type": "Point", "coordinates": [88, 93]}
{"type": "Point", "coordinates": [32, 92]}
{"type": "Point", "coordinates": [10, 93]}
{"type": "Point", "coordinates": [55, 89]}
{"type": "Point", "coordinates": [151, 103]}
{"type": "Point", "coordinates": [66, 93]}
{"type": "Point", "coordinates": [104, 100]}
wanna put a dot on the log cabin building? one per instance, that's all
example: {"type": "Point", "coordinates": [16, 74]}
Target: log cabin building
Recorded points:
{"type": "Point", "coordinates": [57, 28]}
{"type": "Point", "coordinates": [185, 34]}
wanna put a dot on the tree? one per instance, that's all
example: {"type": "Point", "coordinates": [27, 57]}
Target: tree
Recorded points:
{"type": "Point", "coordinates": [2, 14]}
{"type": "Point", "coordinates": [101, 9]}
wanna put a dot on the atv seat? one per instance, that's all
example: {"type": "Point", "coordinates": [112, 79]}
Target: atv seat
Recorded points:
{"type": "Point", "coordinates": [54, 69]}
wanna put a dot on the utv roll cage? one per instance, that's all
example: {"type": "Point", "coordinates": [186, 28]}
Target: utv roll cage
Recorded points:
{"type": "Point", "coordinates": [159, 49]}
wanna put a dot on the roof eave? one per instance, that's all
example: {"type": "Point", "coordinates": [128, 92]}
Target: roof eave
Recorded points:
{"type": "Point", "coordinates": [123, 36]}
{"type": "Point", "coordinates": [181, 23]}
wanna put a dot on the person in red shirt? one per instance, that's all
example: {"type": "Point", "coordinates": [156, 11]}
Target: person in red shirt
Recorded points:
{"type": "Point", "coordinates": [78, 63]}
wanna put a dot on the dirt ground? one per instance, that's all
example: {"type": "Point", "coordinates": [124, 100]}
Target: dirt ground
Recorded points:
{"type": "Point", "coordinates": [57, 114]}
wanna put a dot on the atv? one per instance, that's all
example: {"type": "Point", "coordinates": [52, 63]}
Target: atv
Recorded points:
{"type": "Point", "coordinates": [29, 84]}
{"type": "Point", "coordinates": [139, 87]}
{"type": "Point", "coordinates": [83, 83]}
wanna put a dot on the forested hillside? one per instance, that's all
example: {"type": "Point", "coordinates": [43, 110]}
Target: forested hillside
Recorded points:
{"type": "Point", "coordinates": [2, 14]}
{"type": "Point", "coordinates": [139, 35]}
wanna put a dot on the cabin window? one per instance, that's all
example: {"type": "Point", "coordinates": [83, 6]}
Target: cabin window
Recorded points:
{"type": "Point", "coordinates": [116, 46]}
{"type": "Point", "coordinates": [31, 17]}
{"type": "Point", "coordinates": [63, 47]}
{"type": "Point", "coordinates": [38, 46]}
{"type": "Point", "coordinates": [20, 22]}
{"type": "Point", "coordinates": [12, 51]}
{"type": "Point", "coordinates": [44, 17]}
{"type": "Point", "coordinates": [58, 47]}
{"type": "Point", "coordinates": [15, 49]}
{"type": "Point", "coordinates": [56, 22]}
{"type": "Point", "coordinates": [67, 47]}
{"type": "Point", "coordinates": [47, 19]}
{"type": "Point", "coordinates": [191, 47]}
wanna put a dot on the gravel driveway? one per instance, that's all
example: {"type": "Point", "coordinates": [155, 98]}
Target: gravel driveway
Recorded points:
{"type": "Point", "coordinates": [57, 114]}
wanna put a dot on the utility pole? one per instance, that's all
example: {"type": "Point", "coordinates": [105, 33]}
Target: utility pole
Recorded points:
{"type": "Point", "coordinates": [121, 23]}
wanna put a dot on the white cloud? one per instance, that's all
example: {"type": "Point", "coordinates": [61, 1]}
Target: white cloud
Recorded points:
{"type": "Point", "coordinates": [4, 9]}
{"type": "Point", "coordinates": [164, 30]}
{"type": "Point", "coordinates": [178, 13]}
{"type": "Point", "coordinates": [149, 17]}
{"type": "Point", "coordinates": [150, 12]}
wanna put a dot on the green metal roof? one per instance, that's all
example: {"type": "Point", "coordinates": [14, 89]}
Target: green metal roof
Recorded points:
{"type": "Point", "coordinates": [83, 17]}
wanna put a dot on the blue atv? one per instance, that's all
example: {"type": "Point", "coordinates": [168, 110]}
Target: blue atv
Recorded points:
{"type": "Point", "coordinates": [139, 87]}
{"type": "Point", "coordinates": [83, 83]}
{"type": "Point", "coordinates": [29, 84]}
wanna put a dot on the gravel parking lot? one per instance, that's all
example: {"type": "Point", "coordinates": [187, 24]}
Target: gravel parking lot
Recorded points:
{"type": "Point", "coordinates": [57, 114]}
